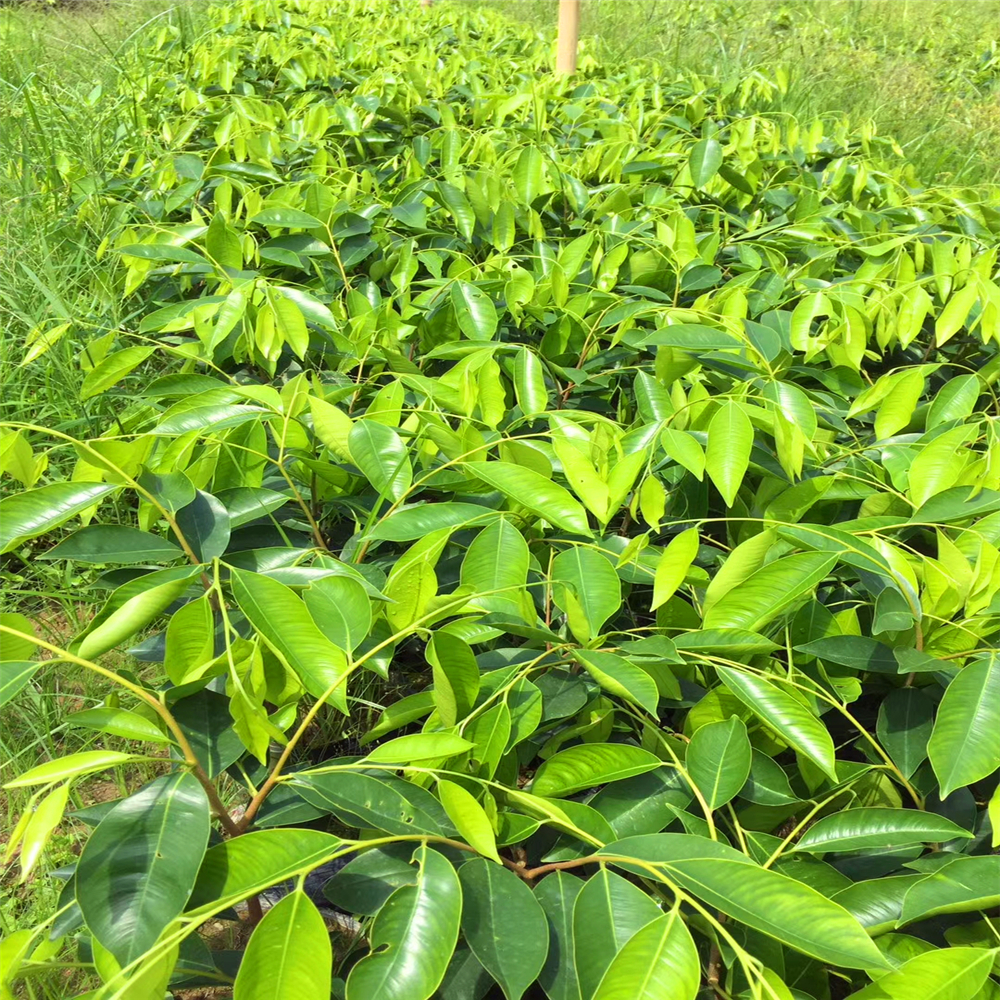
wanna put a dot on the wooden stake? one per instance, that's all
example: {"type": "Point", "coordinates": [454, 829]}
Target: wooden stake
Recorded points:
{"type": "Point", "coordinates": [426, 3]}
{"type": "Point", "coordinates": [569, 32]}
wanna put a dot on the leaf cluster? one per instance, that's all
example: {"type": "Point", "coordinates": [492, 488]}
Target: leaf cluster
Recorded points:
{"type": "Point", "coordinates": [633, 454]}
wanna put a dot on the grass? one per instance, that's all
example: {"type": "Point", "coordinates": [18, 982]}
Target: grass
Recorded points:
{"type": "Point", "coordinates": [925, 71]}
{"type": "Point", "coordinates": [67, 118]}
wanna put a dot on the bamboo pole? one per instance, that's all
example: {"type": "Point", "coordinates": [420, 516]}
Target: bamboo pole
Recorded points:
{"type": "Point", "coordinates": [569, 33]}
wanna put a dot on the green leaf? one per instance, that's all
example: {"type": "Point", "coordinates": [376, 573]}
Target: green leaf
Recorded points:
{"type": "Point", "coordinates": [456, 676]}
{"type": "Point", "coordinates": [113, 369]}
{"type": "Point", "coordinates": [114, 543]}
{"type": "Point", "coordinates": [529, 174]}
{"type": "Point", "coordinates": [858, 829]}
{"type": "Point", "coordinates": [530, 489]}
{"type": "Point", "coordinates": [288, 628]}
{"type": "Point", "coordinates": [773, 904]}
{"type": "Point", "coordinates": [14, 676]}
{"type": "Point", "coordinates": [469, 817]}
{"type": "Point", "coordinates": [529, 383]}
{"type": "Point", "coordinates": [730, 439]}
{"type": "Point", "coordinates": [474, 309]}
{"type": "Point", "coordinates": [704, 161]}
{"type": "Point", "coordinates": [609, 910]}
{"type": "Point", "coordinates": [287, 218]}
{"type": "Point", "coordinates": [412, 937]}
{"type": "Point", "coordinates": [788, 716]}
{"type": "Point", "coordinates": [72, 766]}
{"type": "Point", "coordinates": [119, 722]}
{"type": "Point", "coordinates": [216, 417]}
{"type": "Point", "coordinates": [190, 640]}
{"type": "Point", "coordinates": [289, 955]}
{"type": "Point", "coordinates": [557, 894]}
{"type": "Point", "coordinates": [341, 608]}
{"type": "Point", "coordinates": [131, 608]}
{"type": "Point", "coordinates": [419, 746]}
{"type": "Point", "coordinates": [718, 760]}
{"type": "Point", "coordinates": [619, 677]}
{"type": "Point", "coordinates": [964, 885]}
{"type": "Point", "coordinates": [208, 725]}
{"type": "Point", "coordinates": [498, 560]}
{"type": "Point", "coordinates": [760, 598]}
{"type": "Point", "coordinates": [204, 523]}
{"type": "Point", "coordinates": [369, 879]}
{"type": "Point", "coordinates": [942, 974]}
{"type": "Point", "coordinates": [659, 960]}
{"type": "Point", "coordinates": [139, 866]}
{"type": "Point", "coordinates": [643, 804]}
{"type": "Point", "coordinates": [674, 565]}
{"type": "Point", "coordinates": [27, 515]}
{"type": "Point", "coordinates": [965, 743]}
{"type": "Point", "coordinates": [504, 925]}
{"type": "Point", "coordinates": [383, 803]}
{"type": "Point", "coordinates": [379, 452]}
{"type": "Point", "coordinates": [407, 524]}
{"type": "Point", "coordinates": [243, 866]}
{"type": "Point", "coordinates": [684, 450]}
{"type": "Point", "coordinates": [586, 586]}
{"type": "Point", "coordinates": [13, 647]}
{"type": "Point", "coordinates": [590, 764]}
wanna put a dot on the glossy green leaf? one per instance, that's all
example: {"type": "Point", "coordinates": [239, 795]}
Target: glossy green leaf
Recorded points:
{"type": "Point", "coordinates": [379, 452]}
{"type": "Point", "coordinates": [413, 936]}
{"type": "Point", "coordinates": [730, 438]}
{"type": "Point", "coordinates": [495, 565]}
{"type": "Point", "coordinates": [407, 524]}
{"type": "Point", "coordinates": [132, 607]}
{"type": "Point", "coordinates": [761, 898]}
{"type": "Point", "coordinates": [474, 309]}
{"type": "Point", "coordinates": [14, 677]}
{"type": "Point", "coordinates": [704, 162]}
{"type": "Point", "coordinates": [942, 974]}
{"type": "Point", "coordinates": [528, 488]}
{"type": "Point", "coordinates": [674, 565]}
{"type": "Point", "coordinates": [619, 677]}
{"type": "Point", "coordinates": [718, 760]}
{"type": "Point", "coordinates": [469, 817]}
{"type": "Point", "coordinates": [608, 911]}
{"type": "Point", "coordinates": [341, 608]}
{"type": "Point", "coordinates": [288, 628]}
{"type": "Point", "coordinates": [965, 743]}
{"type": "Point", "coordinates": [557, 894]}
{"type": "Point", "coordinates": [857, 829]}
{"type": "Point", "coordinates": [659, 960]}
{"type": "Point", "coordinates": [119, 722]}
{"type": "Point", "coordinates": [456, 676]}
{"type": "Point", "coordinates": [760, 598]}
{"type": "Point", "coordinates": [587, 588]}
{"type": "Point", "coordinates": [27, 515]}
{"type": "Point", "coordinates": [590, 764]}
{"type": "Point", "coordinates": [964, 885]}
{"type": "Point", "coordinates": [245, 865]}
{"type": "Point", "coordinates": [204, 523]}
{"type": "Point", "coordinates": [382, 803]}
{"type": "Point", "coordinates": [503, 924]}
{"type": "Point", "coordinates": [71, 766]}
{"type": "Point", "coordinates": [139, 866]}
{"type": "Point", "coordinates": [114, 543]}
{"type": "Point", "coordinates": [788, 716]}
{"type": "Point", "coordinates": [419, 746]}
{"type": "Point", "coordinates": [113, 369]}
{"type": "Point", "coordinates": [289, 956]}
{"type": "Point", "coordinates": [529, 383]}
